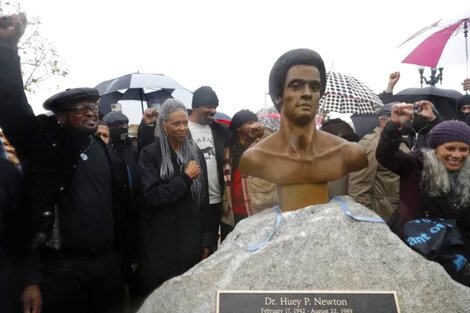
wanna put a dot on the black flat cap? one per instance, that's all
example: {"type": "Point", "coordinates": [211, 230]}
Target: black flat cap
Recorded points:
{"type": "Point", "coordinates": [58, 102]}
{"type": "Point", "coordinates": [386, 110]}
{"type": "Point", "coordinates": [115, 117]}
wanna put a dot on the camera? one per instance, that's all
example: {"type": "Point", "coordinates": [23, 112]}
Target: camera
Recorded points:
{"type": "Point", "coordinates": [417, 109]}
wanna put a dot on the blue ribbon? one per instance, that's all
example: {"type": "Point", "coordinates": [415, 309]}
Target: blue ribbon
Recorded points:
{"type": "Point", "coordinates": [358, 218]}
{"type": "Point", "coordinates": [346, 210]}
{"type": "Point", "coordinates": [262, 244]}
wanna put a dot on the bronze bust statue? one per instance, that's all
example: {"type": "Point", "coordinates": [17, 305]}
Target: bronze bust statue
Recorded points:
{"type": "Point", "coordinates": [298, 157]}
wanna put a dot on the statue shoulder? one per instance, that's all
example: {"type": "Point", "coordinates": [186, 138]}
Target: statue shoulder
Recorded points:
{"type": "Point", "coordinates": [250, 161]}
{"type": "Point", "coordinates": [355, 156]}
{"type": "Point", "coordinates": [352, 154]}
{"type": "Point", "coordinates": [328, 141]}
{"type": "Point", "coordinates": [255, 151]}
{"type": "Point", "coordinates": [269, 142]}
{"type": "Point", "coordinates": [254, 158]}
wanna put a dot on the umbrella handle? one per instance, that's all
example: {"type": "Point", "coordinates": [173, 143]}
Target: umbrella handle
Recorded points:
{"type": "Point", "coordinates": [141, 100]}
{"type": "Point", "coordinates": [465, 31]}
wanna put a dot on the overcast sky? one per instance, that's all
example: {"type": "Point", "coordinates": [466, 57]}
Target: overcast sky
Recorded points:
{"type": "Point", "coordinates": [232, 45]}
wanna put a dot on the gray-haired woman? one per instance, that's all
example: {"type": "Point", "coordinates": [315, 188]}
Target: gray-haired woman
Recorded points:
{"type": "Point", "coordinates": [174, 196]}
{"type": "Point", "coordinates": [434, 181]}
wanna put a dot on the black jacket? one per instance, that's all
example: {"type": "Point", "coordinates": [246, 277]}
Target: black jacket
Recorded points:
{"type": "Point", "coordinates": [49, 156]}
{"type": "Point", "coordinates": [171, 222]}
{"type": "Point", "coordinates": [129, 154]}
{"type": "Point", "coordinates": [417, 138]}
{"type": "Point", "coordinates": [11, 234]}
{"type": "Point", "coordinates": [220, 133]}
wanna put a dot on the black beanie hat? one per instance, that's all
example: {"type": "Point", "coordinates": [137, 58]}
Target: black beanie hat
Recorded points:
{"type": "Point", "coordinates": [448, 131]}
{"type": "Point", "coordinates": [386, 110]}
{"type": "Point", "coordinates": [241, 117]}
{"type": "Point", "coordinates": [115, 117]}
{"type": "Point", "coordinates": [204, 97]}
{"type": "Point", "coordinates": [465, 99]}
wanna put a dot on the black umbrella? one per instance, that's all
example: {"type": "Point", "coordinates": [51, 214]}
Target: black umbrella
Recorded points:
{"type": "Point", "coordinates": [153, 89]}
{"type": "Point", "coordinates": [138, 80]}
{"type": "Point", "coordinates": [444, 100]}
{"type": "Point", "coordinates": [364, 123]}
{"type": "Point", "coordinates": [153, 99]}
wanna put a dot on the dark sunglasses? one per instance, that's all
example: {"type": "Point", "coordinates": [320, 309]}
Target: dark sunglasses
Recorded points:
{"type": "Point", "coordinates": [82, 109]}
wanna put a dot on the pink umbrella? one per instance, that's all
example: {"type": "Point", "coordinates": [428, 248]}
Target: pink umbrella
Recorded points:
{"type": "Point", "coordinates": [447, 46]}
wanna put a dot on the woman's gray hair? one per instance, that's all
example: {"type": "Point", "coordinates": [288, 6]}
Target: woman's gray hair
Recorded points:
{"type": "Point", "coordinates": [436, 180]}
{"type": "Point", "coordinates": [189, 150]}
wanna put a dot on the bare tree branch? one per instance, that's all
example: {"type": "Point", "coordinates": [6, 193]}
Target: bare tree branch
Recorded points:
{"type": "Point", "coordinates": [39, 59]}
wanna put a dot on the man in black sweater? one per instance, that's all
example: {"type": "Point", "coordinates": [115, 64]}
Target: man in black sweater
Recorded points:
{"type": "Point", "coordinates": [11, 235]}
{"type": "Point", "coordinates": [76, 193]}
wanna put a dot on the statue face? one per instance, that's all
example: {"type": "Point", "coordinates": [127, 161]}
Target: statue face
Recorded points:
{"type": "Point", "coordinates": [301, 95]}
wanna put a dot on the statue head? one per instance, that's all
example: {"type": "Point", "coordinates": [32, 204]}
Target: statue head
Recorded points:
{"type": "Point", "coordinates": [277, 77]}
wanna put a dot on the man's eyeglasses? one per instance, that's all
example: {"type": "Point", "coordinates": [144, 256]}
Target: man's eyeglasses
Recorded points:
{"type": "Point", "coordinates": [82, 109]}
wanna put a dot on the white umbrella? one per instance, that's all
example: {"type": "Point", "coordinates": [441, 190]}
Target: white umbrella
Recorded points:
{"type": "Point", "coordinates": [347, 94]}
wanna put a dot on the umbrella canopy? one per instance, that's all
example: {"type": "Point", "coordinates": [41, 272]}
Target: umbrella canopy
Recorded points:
{"type": "Point", "coordinates": [364, 123]}
{"type": "Point", "coordinates": [270, 118]}
{"type": "Point", "coordinates": [446, 46]}
{"type": "Point", "coordinates": [153, 98]}
{"type": "Point", "coordinates": [431, 91]}
{"type": "Point", "coordinates": [138, 80]}
{"type": "Point", "coordinates": [136, 92]}
{"type": "Point", "coordinates": [346, 94]}
{"type": "Point", "coordinates": [222, 118]}
{"type": "Point", "coordinates": [444, 100]}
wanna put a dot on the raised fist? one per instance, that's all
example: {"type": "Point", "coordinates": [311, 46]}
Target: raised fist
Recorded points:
{"type": "Point", "coordinates": [466, 84]}
{"type": "Point", "coordinates": [150, 116]}
{"type": "Point", "coordinates": [11, 29]}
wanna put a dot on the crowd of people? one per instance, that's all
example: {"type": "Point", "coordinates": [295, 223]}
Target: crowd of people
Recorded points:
{"type": "Point", "coordinates": [93, 220]}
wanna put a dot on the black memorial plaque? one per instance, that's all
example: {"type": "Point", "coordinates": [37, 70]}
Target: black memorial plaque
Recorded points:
{"type": "Point", "coordinates": [231, 301]}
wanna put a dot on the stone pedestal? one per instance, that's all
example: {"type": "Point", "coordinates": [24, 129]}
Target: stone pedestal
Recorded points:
{"type": "Point", "coordinates": [315, 248]}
